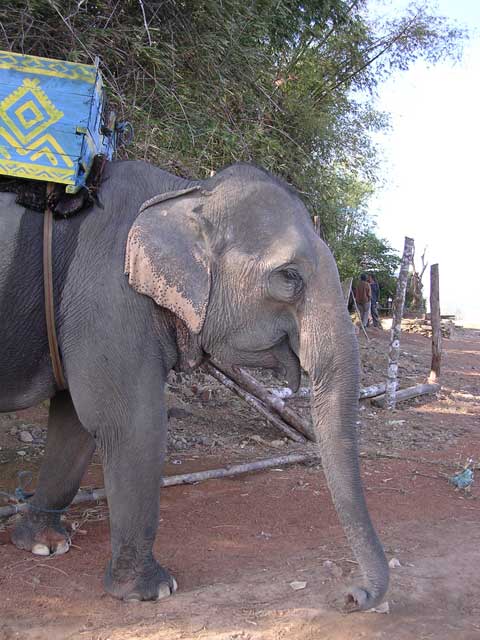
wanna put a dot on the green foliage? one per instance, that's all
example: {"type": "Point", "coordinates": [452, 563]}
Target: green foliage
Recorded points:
{"type": "Point", "coordinates": [364, 252]}
{"type": "Point", "coordinates": [286, 84]}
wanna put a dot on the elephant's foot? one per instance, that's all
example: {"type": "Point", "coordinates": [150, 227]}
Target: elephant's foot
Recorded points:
{"type": "Point", "coordinates": [42, 534]}
{"type": "Point", "coordinates": [152, 583]}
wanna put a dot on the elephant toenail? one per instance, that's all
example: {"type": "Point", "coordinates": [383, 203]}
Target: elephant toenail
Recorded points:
{"type": "Point", "coordinates": [61, 548]}
{"type": "Point", "coordinates": [174, 585]}
{"type": "Point", "coordinates": [40, 550]}
{"type": "Point", "coordinates": [163, 591]}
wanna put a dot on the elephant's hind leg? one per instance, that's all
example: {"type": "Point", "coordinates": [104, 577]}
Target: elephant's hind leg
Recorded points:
{"type": "Point", "coordinates": [68, 452]}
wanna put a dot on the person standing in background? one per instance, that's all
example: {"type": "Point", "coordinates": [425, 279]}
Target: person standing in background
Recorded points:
{"type": "Point", "coordinates": [363, 296]}
{"type": "Point", "coordinates": [375, 294]}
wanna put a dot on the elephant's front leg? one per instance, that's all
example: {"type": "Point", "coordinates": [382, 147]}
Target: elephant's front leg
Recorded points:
{"type": "Point", "coordinates": [132, 467]}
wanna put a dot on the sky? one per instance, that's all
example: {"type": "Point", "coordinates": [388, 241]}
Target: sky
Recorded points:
{"type": "Point", "coordinates": [431, 163]}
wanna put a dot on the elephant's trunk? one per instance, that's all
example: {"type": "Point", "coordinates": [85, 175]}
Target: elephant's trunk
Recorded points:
{"type": "Point", "coordinates": [329, 353]}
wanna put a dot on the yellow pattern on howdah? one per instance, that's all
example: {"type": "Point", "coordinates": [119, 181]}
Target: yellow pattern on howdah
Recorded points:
{"type": "Point", "coordinates": [47, 67]}
{"type": "Point", "coordinates": [54, 119]}
{"type": "Point", "coordinates": [26, 113]}
{"type": "Point", "coordinates": [37, 172]}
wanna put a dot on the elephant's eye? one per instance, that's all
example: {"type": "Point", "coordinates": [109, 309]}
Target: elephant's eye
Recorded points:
{"type": "Point", "coordinates": [286, 284]}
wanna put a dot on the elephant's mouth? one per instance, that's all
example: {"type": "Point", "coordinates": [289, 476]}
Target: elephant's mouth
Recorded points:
{"type": "Point", "coordinates": [288, 364]}
{"type": "Point", "coordinates": [280, 358]}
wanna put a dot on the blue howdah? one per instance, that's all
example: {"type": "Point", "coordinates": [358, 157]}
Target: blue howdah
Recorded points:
{"type": "Point", "coordinates": [54, 119]}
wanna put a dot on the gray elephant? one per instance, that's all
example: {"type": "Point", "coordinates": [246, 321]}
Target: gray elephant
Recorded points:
{"type": "Point", "coordinates": [160, 274]}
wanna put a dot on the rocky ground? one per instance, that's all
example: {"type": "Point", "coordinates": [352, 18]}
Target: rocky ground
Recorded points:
{"type": "Point", "coordinates": [262, 555]}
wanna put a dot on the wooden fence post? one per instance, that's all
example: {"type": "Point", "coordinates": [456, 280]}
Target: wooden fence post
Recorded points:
{"type": "Point", "coordinates": [398, 304]}
{"type": "Point", "coordinates": [436, 324]}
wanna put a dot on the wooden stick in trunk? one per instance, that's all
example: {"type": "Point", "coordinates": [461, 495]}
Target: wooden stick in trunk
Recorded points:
{"type": "Point", "coordinates": [436, 321]}
{"type": "Point", "coordinates": [253, 402]}
{"type": "Point", "coordinates": [409, 392]}
{"type": "Point", "coordinates": [187, 478]}
{"type": "Point", "coordinates": [398, 304]}
{"type": "Point", "coordinates": [248, 382]}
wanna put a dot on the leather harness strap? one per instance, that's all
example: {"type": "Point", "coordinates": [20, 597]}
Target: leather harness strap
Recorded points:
{"type": "Point", "coordinates": [48, 294]}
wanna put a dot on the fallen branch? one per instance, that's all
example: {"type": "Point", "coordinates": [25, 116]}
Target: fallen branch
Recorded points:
{"type": "Point", "coordinates": [248, 382]}
{"type": "Point", "coordinates": [187, 478]}
{"type": "Point", "coordinates": [312, 454]}
{"type": "Point", "coordinates": [409, 392]}
{"type": "Point", "coordinates": [253, 402]}
{"type": "Point", "coordinates": [284, 393]}
{"type": "Point", "coordinates": [374, 455]}
{"type": "Point", "coordinates": [372, 391]}
{"type": "Point", "coordinates": [238, 469]}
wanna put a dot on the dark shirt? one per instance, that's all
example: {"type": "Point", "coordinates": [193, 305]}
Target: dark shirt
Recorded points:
{"type": "Point", "coordinates": [375, 291]}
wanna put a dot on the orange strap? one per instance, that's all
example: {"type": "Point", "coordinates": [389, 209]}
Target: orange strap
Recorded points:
{"type": "Point", "coordinates": [48, 293]}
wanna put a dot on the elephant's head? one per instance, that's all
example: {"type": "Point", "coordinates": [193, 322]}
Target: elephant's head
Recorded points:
{"type": "Point", "coordinates": [236, 258]}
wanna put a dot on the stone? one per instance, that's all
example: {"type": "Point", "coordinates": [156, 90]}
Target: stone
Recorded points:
{"type": "Point", "coordinates": [26, 436]}
{"type": "Point", "coordinates": [297, 585]}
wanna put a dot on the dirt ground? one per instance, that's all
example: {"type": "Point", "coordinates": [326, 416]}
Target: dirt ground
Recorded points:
{"type": "Point", "coordinates": [236, 545]}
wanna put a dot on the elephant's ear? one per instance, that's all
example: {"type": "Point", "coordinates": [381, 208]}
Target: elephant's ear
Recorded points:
{"type": "Point", "coordinates": [167, 255]}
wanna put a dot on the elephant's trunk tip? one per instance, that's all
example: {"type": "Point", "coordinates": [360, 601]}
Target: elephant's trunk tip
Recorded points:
{"type": "Point", "coordinates": [363, 599]}
{"type": "Point", "coordinates": [370, 594]}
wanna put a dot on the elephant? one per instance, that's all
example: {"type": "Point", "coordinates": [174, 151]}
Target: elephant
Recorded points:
{"type": "Point", "coordinates": [164, 273]}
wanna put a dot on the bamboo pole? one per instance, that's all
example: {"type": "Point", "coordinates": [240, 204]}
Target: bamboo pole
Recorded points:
{"type": "Point", "coordinates": [436, 321]}
{"type": "Point", "coordinates": [248, 382]}
{"type": "Point", "coordinates": [398, 304]}
{"type": "Point", "coordinates": [253, 402]}
{"type": "Point", "coordinates": [187, 478]}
